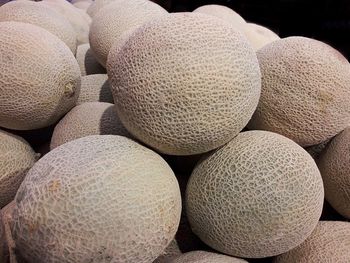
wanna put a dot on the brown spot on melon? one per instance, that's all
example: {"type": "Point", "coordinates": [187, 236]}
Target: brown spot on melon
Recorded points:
{"type": "Point", "coordinates": [87, 61]}
{"type": "Point", "coordinates": [95, 88]}
{"type": "Point", "coordinates": [259, 195]}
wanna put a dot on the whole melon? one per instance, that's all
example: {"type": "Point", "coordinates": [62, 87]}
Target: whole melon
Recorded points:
{"type": "Point", "coordinates": [258, 35]}
{"type": "Point", "coordinates": [260, 195]}
{"type": "Point", "coordinates": [98, 199]}
{"type": "Point", "coordinates": [96, 6]}
{"type": "Point", "coordinates": [328, 243]}
{"type": "Point", "coordinates": [334, 164]}
{"type": "Point", "coordinates": [16, 158]}
{"type": "Point", "coordinates": [95, 88]}
{"type": "Point", "coordinates": [39, 77]}
{"type": "Point", "coordinates": [116, 18]}
{"type": "Point", "coordinates": [70, 13]}
{"type": "Point", "coordinates": [224, 13]}
{"type": "Point", "coordinates": [87, 61]}
{"type": "Point", "coordinates": [191, 94]}
{"type": "Point", "coordinates": [42, 16]}
{"type": "Point", "coordinates": [206, 257]}
{"type": "Point", "coordinates": [90, 118]}
{"type": "Point", "coordinates": [305, 90]}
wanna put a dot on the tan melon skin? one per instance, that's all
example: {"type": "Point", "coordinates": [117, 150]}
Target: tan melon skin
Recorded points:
{"type": "Point", "coordinates": [4, 254]}
{"type": "Point", "coordinates": [87, 61]}
{"type": "Point", "coordinates": [91, 118]}
{"type": "Point", "coordinates": [16, 158]}
{"type": "Point", "coordinates": [334, 164]}
{"type": "Point", "coordinates": [42, 16]}
{"type": "Point", "coordinates": [258, 35]}
{"type": "Point", "coordinates": [206, 257]}
{"type": "Point", "coordinates": [97, 199]}
{"type": "Point", "coordinates": [95, 88]}
{"type": "Point", "coordinates": [191, 94]}
{"type": "Point", "coordinates": [260, 195]}
{"type": "Point", "coordinates": [328, 243]}
{"type": "Point", "coordinates": [39, 77]}
{"type": "Point", "coordinates": [305, 90]}
{"type": "Point", "coordinates": [116, 18]}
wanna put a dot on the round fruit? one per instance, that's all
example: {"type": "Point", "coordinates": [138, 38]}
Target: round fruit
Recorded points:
{"type": "Point", "coordinates": [87, 61]}
{"type": "Point", "coordinates": [191, 94]}
{"type": "Point", "coordinates": [39, 77]}
{"type": "Point", "coordinates": [100, 198]}
{"type": "Point", "coordinates": [329, 242]}
{"type": "Point", "coordinates": [91, 118]}
{"type": "Point", "coordinates": [334, 164]}
{"type": "Point", "coordinates": [259, 36]}
{"type": "Point", "coordinates": [42, 16]}
{"type": "Point", "coordinates": [16, 158]}
{"type": "Point", "coordinates": [116, 18]}
{"type": "Point", "coordinates": [95, 88]}
{"type": "Point", "coordinates": [258, 196]}
{"type": "Point", "coordinates": [305, 90]}
{"type": "Point", "coordinates": [205, 257]}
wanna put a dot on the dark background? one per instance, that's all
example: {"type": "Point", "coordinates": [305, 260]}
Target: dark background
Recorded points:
{"type": "Point", "coordinates": [325, 20]}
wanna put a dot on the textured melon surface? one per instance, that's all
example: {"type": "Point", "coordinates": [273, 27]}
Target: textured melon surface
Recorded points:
{"type": "Point", "coordinates": [305, 90]}
{"type": "Point", "coordinates": [91, 118]}
{"type": "Point", "coordinates": [75, 18]}
{"type": "Point", "coordinates": [97, 5]}
{"type": "Point", "coordinates": [16, 158]}
{"type": "Point", "coordinates": [39, 77]}
{"type": "Point", "coordinates": [224, 13]}
{"type": "Point", "coordinates": [3, 243]}
{"type": "Point", "coordinates": [258, 35]}
{"type": "Point", "coordinates": [258, 196]}
{"type": "Point", "coordinates": [334, 164]}
{"type": "Point", "coordinates": [116, 18]}
{"type": "Point", "coordinates": [328, 243]}
{"type": "Point", "coordinates": [191, 94]}
{"type": "Point", "coordinates": [95, 88]}
{"type": "Point", "coordinates": [6, 216]}
{"type": "Point", "coordinates": [206, 257]}
{"type": "Point", "coordinates": [172, 251]}
{"type": "Point", "coordinates": [87, 61]}
{"type": "Point", "coordinates": [42, 16]}
{"type": "Point", "coordinates": [97, 199]}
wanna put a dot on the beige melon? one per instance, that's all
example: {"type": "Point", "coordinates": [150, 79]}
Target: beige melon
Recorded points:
{"type": "Point", "coordinates": [75, 18]}
{"type": "Point", "coordinates": [95, 88]}
{"type": "Point", "coordinates": [116, 18]}
{"type": "Point", "coordinates": [39, 77]}
{"type": "Point", "coordinates": [334, 164]}
{"type": "Point", "coordinates": [258, 196]}
{"type": "Point", "coordinates": [305, 90]}
{"type": "Point", "coordinates": [42, 16]}
{"type": "Point", "coordinates": [191, 94]}
{"type": "Point", "coordinates": [224, 13]}
{"type": "Point", "coordinates": [16, 158]}
{"type": "Point", "coordinates": [102, 198]}
{"type": "Point", "coordinates": [91, 118]}
{"type": "Point", "coordinates": [258, 35]}
{"type": "Point", "coordinates": [96, 6]}
{"type": "Point", "coordinates": [206, 257]}
{"type": "Point", "coordinates": [329, 243]}
{"type": "Point", "coordinates": [87, 61]}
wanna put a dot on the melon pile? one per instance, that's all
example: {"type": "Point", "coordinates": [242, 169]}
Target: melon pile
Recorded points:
{"type": "Point", "coordinates": [132, 135]}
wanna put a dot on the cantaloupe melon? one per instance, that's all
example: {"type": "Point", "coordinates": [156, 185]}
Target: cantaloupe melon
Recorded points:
{"type": "Point", "coordinates": [328, 243]}
{"type": "Point", "coordinates": [258, 196]}
{"type": "Point", "coordinates": [206, 257]}
{"type": "Point", "coordinates": [16, 158]}
{"type": "Point", "coordinates": [87, 61]}
{"type": "Point", "coordinates": [96, 6]}
{"type": "Point", "coordinates": [91, 118]}
{"type": "Point", "coordinates": [116, 18]}
{"type": "Point", "coordinates": [191, 94]}
{"type": "Point", "coordinates": [42, 16]}
{"type": "Point", "coordinates": [95, 88]}
{"type": "Point", "coordinates": [224, 13]}
{"type": "Point", "coordinates": [6, 216]}
{"type": "Point", "coordinates": [258, 35]}
{"type": "Point", "coordinates": [334, 164]}
{"type": "Point", "coordinates": [305, 90]}
{"type": "Point", "coordinates": [100, 198]}
{"type": "Point", "coordinates": [39, 77]}
{"type": "Point", "coordinates": [75, 18]}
